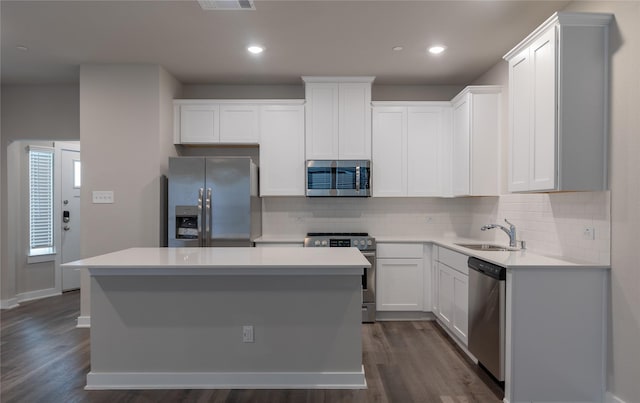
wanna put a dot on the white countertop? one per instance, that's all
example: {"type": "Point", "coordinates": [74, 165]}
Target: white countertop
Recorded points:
{"type": "Point", "coordinates": [226, 261]}
{"type": "Point", "coordinates": [510, 260]}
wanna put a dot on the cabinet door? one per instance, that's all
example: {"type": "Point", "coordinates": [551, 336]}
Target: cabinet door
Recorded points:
{"type": "Point", "coordinates": [461, 147]}
{"type": "Point", "coordinates": [199, 124]}
{"type": "Point", "coordinates": [543, 132]}
{"type": "Point", "coordinates": [520, 124]}
{"type": "Point", "coordinates": [399, 284]}
{"type": "Point", "coordinates": [282, 163]}
{"type": "Point", "coordinates": [239, 124]}
{"type": "Point", "coordinates": [459, 323]}
{"type": "Point", "coordinates": [321, 120]}
{"type": "Point", "coordinates": [389, 171]}
{"type": "Point", "coordinates": [354, 121]}
{"type": "Point", "coordinates": [424, 130]}
{"type": "Point", "coordinates": [445, 294]}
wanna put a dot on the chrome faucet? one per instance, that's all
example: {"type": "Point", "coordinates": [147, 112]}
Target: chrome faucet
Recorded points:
{"type": "Point", "coordinates": [511, 231]}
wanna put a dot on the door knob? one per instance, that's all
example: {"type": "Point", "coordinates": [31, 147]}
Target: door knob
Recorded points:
{"type": "Point", "coordinates": [65, 201]}
{"type": "Point", "coordinates": [66, 228]}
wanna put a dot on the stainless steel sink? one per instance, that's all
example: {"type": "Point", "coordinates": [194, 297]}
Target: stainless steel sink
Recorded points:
{"type": "Point", "coordinates": [485, 247]}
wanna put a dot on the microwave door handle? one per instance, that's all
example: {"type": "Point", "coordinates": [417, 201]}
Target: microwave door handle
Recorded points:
{"type": "Point", "coordinates": [357, 178]}
{"type": "Point", "coordinates": [200, 216]}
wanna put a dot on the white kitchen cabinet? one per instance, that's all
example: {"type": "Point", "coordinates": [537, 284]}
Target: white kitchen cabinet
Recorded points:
{"type": "Point", "coordinates": [239, 123]}
{"type": "Point", "coordinates": [475, 160]}
{"type": "Point", "coordinates": [279, 244]}
{"type": "Point", "coordinates": [558, 92]}
{"type": "Point", "coordinates": [399, 277]}
{"type": "Point", "coordinates": [408, 144]}
{"type": "Point", "coordinates": [219, 122]}
{"type": "Point", "coordinates": [197, 123]}
{"type": "Point", "coordinates": [282, 162]}
{"type": "Point", "coordinates": [453, 292]}
{"type": "Point", "coordinates": [338, 117]}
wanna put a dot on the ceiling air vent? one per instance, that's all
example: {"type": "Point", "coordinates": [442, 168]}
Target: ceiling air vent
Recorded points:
{"type": "Point", "coordinates": [227, 4]}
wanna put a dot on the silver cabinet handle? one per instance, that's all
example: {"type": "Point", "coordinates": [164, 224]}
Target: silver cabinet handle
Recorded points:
{"type": "Point", "coordinates": [357, 178]}
{"type": "Point", "coordinates": [209, 213]}
{"type": "Point", "coordinates": [200, 217]}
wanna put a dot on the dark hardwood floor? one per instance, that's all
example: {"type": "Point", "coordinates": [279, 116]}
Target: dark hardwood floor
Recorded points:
{"type": "Point", "coordinates": [45, 358]}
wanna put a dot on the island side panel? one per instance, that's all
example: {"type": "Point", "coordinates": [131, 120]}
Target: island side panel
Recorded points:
{"type": "Point", "coordinates": [556, 331]}
{"type": "Point", "coordinates": [194, 324]}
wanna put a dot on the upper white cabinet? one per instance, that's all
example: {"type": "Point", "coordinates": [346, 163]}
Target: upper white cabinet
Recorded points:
{"type": "Point", "coordinates": [282, 163]}
{"type": "Point", "coordinates": [196, 123]}
{"type": "Point", "coordinates": [239, 123]}
{"type": "Point", "coordinates": [409, 148]}
{"type": "Point", "coordinates": [338, 117]}
{"type": "Point", "coordinates": [558, 89]}
{"type": "Point", "coordinates": [203, 121]}
{"type": "Point", "coordinates": [475, 161]}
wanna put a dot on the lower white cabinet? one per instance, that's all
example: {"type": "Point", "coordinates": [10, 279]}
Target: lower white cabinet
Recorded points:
{"type": "Point", "coordinates": [453, 292]}
{"type": "Point", "coordinates": [399, 277]}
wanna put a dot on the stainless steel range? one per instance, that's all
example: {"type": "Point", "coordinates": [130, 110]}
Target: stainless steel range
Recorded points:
{"type": "Point", "coordinates": [367, 245]}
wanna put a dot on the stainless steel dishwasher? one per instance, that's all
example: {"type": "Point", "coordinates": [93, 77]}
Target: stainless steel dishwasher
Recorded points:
{"type": "Point", "coordinates": [487, 315]}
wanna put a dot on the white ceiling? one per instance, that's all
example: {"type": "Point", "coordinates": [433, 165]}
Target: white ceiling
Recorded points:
{"type": "Point", "coordinates": [301, 38]}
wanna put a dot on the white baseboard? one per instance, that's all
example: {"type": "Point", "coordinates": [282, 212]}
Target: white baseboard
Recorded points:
{"type": "Point", "coordinates": [32, 295]}
{"type": "Point", "coordinates": [225, 380]}
{"type": "Point", "coordinates": [9, 303]}
{"type": "Point", "coordinates": [84, 321]}
{"type": "Point", "coordinates": [611, 398]}
{"type": "Point", "coordinates": [382, 316]}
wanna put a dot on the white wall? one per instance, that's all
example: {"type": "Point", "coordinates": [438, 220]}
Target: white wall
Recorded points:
{"type": "Point", "coordinates": [378, 92]}
{"type": "Point", "coordinates": [624, 367]}
{"type": "Point", "coordinates": [126, 123]}
{"type": "Point", "coordinates": [30, 112]}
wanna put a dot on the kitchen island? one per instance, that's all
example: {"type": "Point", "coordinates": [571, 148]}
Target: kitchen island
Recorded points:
{"type": "Point", "coordinates": [189, 318]}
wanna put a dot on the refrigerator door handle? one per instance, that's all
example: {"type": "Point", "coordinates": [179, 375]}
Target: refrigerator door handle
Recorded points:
{"type": "Point", "coordinates": [200, 217]}
{"type": "Point", "coordinates": [209, 218]}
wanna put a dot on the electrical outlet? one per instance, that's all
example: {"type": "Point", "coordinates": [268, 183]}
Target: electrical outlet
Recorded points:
{"type": "Point", "coordinates": [102, 196]}
{"type": "Point", "coordinates": [589, 233]}
{"type": "Point", "coordinates": [247, 334]}
{"type": "Point", "coordinates": [428, 219]}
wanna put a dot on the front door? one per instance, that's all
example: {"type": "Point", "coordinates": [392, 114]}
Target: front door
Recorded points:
{"type": "Point", "coordinates": [70, 180]}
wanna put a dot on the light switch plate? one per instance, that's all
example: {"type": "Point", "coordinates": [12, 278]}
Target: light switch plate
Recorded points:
{"type": "Point", "coordinates": [102, 196]}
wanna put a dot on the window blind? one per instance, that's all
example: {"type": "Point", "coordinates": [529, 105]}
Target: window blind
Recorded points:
{"type": "Point", "coordinates": [40, 201]}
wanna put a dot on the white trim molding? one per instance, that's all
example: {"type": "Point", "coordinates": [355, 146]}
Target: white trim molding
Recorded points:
{"type": "Point", "coordinates": [84, 322]}
{"type": "Point", "coordinates": [9, 303]}
{"type": "Point", "coordinates": [226, 380]}
{"type": "Point", "coordinates": [37, 294]}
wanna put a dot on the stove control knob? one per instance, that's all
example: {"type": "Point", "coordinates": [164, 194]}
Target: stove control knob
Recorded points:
{"type": "Point", "coordinates": [369, 242]}
{"type": "Point", "coordinates": [316, 243]}
{"type": "Point", "coordinates": [355, 242]}
{"type": "Point", "coordinates": [324, 243]}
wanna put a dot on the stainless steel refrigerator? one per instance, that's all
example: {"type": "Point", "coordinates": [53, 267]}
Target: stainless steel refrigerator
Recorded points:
{"type": "Point", "coordinates": [213, 201]}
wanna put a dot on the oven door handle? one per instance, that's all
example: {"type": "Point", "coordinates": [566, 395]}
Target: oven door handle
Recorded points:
{"type": "Point", "coordinates": [368, 254]}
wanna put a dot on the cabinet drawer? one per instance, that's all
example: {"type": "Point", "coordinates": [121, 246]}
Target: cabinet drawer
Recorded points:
{"type": "Point", "coordinates": [455, 260]}
{"type": "Point", "coordinates": [399, 250]}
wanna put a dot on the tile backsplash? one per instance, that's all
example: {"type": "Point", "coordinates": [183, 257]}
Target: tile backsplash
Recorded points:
{"type": "Point", "coordinates": [551, 224]}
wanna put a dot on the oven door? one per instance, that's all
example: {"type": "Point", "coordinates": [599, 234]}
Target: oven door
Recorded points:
{"type": "Point", "coordinates": [369, 289]}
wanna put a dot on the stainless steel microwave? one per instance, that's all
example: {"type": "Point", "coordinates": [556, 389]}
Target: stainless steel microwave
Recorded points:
{"type": "Point", "coordinates": [349, 178]}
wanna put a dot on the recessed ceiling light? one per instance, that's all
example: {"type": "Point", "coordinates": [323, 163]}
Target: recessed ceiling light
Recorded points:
{"type": "Point", "coordinates": [22, 47]}
{"type": "Point", "coordinates": [397, 48]}
{"type": "Point", "coordinates": [436, 50]}
{"type": "Point", "coordinates": [255, 49]}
